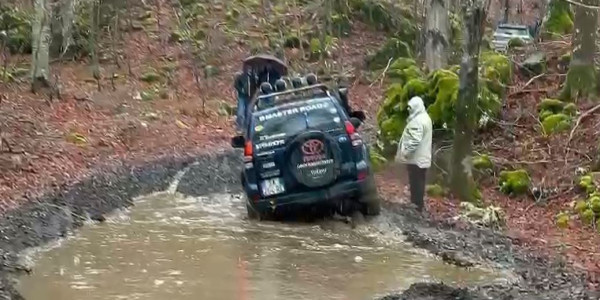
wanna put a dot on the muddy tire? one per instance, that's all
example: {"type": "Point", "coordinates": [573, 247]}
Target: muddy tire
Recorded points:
{"type": "Point", "coordinates": [252, 213]}
{"type": "Point", "coordinates": [370, 204]}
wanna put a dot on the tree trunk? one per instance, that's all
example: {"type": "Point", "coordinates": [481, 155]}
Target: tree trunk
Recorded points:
{"type": "Point", "coordinates": [466, 109]}
{"type": "Point", "coordinates": [41, 39]}
{"type": "Point", "coordinates": [506, 11]}
{"type": "Point", "coordinates": [438, 24]}
{"type": "Point", "coordinates": [67, 16]}
{"type": "Point", "coordinates": [582, 77]}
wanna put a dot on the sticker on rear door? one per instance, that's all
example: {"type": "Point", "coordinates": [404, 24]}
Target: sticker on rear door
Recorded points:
{"type": "Point", "coordinates": [270, 144]}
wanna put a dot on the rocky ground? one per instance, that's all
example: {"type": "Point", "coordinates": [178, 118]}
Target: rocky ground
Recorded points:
{"type": "Point", "coordinates": [54, 146]}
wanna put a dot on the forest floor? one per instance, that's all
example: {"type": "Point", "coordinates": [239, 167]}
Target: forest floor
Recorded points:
{"type": "Point", "coordinates": [49, 144]}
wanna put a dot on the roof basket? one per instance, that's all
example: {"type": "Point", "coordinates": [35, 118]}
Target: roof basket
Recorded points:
{"type": "Point", "coordinates": [291, 95]}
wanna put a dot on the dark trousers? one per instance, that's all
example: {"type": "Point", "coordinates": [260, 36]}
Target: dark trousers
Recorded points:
{"type": "Point", "coordinates": [416, 179]}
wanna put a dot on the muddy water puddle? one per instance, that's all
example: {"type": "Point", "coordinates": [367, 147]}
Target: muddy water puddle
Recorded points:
{"type": "Point", "coordinates": [175, 247]}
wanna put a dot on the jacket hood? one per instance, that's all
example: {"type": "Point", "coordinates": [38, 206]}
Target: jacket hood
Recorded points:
{"type": "Point", "coordinates": [416, 107]}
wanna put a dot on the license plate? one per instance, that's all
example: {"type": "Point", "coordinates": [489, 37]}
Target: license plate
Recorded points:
{"type": "Point", "coordinates": [272, 186]}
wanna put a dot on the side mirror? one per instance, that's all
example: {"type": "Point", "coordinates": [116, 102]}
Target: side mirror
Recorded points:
{"type": "Point", "coordinates": [355, 122]}
{"type": "Point", "coordinates": [359, 114]}
{"type": "Point", "coordinates": [238, 141]}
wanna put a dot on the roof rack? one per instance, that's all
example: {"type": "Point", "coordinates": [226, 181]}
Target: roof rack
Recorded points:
{"type": "Point", "coordinates": [291, 95]}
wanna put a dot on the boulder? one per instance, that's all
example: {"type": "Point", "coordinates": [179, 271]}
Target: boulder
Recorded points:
{"type": "Point", "coordinates": [535, 64]}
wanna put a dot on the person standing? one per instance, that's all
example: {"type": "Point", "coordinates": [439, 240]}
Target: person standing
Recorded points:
{"type": "Point", "coordinates": [414, 149]}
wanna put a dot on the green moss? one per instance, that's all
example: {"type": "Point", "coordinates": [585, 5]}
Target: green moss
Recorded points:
{"type": "Point", "coordinates": [581, 206]}
{"type": "Point", "coordinates": [544, 114]}
{"type": "Point", "coordinates": [587, 216]}
{"type": "Point", "coordinates": [496, 71]}
{"type": "Point", "coordinates": [581, 82]}
{"type": "Point", "coordinates": [555, 123]}
{"type": "Point", "coordinates": [414, 87]}
{"type": "Point", "coordinates": [570, 109]}
{"type": "Point", "coordinates": [434, 190]}
{"type": "Point", "coordinates": [562, 220]}
{"type": "Point", "coordinates": [391, 128]}
{"type": "Point", "coordinates": [514, 182]}
{"type": "Point", "coordinates": [560, 19]}
{"type": "Point", "coordinates": [552, 105]}
{"type": "Point", "coordinates": [444, 90]}
{"type": "Point", "coordinates": [565, 59]}
{"type": "Point", "coordinates": [377, 160]}
{"type": "Point", "coordinates": [483, 162]}
{"type": "Point", "coordinates": [594, 203]}
{"type": "Point", "coordinates": [150, 77]}
{"type": "Point", "coordinates": [392, 49]}
{"type": "Point", "coordinates": [393, 96]}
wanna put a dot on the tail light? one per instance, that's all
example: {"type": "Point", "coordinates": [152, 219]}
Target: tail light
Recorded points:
{"type": "Point", "coordinates": [356, 140]}
{"type": "Point", "coordinates": [350, 128]}
{"type": "Point", "coordinates": [248, 151]}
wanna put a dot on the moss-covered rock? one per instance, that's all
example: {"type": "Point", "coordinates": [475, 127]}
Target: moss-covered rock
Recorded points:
{"type": "Point", "coordinates": [553, 105]}
{"type": "Point", "coordinates": [535, 63]}
{"type": "Point", "coordinates": [444, 92]}
{"type": "Point", "coordinates": [434, 190]}
{"type": "Point", "coordinates": [587, 217]}
{"type": "Point", "coordinates": [483, 162]}
{"type": "Point", "coordinates": [496, 71]}
{"type": "Point", "coordinates": [594, 204]}
{"type": "Point", "coordinates": [581, 206]}
{"type": "Point", "coordinates": [562, 220]}
{"type": "Point", "coordinates": [556, 123]}
{"type": "Point", "coordinates": [392, 49]}
{"type": "Point", "coordinates": [570, 109]}
{"type": "Point", "coordinates": [586, 184]}
{"type": "Point", "coordinates": [559, 21]}
{"type": "Point", "coordinates": [514, 182]}
{"type": "Point", "coordinates": [516, 43]}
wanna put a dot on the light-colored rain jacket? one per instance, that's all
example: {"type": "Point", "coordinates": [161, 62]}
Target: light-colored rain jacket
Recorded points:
{"type": "Point", "coordinates": [415, 144]}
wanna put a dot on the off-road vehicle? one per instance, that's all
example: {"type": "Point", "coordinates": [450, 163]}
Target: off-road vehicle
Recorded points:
{"type": "Point", "coordinates": [301, 148]}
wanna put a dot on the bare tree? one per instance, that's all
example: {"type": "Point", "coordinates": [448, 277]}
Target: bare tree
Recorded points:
{"type": "Point", "coordinates": [466, 108]}
{"type": "Point", "coordinates": [41, 39]}
{"type": "Point", "coordinates": [95, 31]}
{"type": "Point", "coordinates": [438, 23]}
{"type": "Point", "coordinates": [582, 76]}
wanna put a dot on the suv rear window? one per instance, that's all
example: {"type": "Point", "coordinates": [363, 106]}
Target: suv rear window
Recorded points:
{"type": "Point", "coordinates": [293, 118]}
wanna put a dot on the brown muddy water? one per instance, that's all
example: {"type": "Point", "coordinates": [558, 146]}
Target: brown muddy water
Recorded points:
{"type": "Point", "coordinates": [173, 247]}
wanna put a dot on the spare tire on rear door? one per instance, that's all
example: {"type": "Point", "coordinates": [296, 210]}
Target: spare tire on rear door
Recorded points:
{"type": "Point", "coordinates": [314, 159]}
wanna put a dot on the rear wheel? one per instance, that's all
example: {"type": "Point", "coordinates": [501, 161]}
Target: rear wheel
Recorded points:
{"type": "Point", "coordinates": [372, 207]}
{"type": "Point", "coordinates": [252, 213]}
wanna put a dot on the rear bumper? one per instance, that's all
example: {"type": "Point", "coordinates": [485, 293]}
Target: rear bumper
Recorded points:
{"type": "Point", "coordinates": [329, 195]}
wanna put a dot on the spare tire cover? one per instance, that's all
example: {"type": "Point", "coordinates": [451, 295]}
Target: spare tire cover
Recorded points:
{"type": "Point", "coordinates": [314, 159]}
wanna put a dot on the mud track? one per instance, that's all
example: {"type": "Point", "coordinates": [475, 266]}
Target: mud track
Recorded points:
{"type": "Point", "coordinates": [54, 215]}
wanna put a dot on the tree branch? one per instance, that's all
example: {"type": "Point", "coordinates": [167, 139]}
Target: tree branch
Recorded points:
{"type": "Point", "coordinates": [583, 116]}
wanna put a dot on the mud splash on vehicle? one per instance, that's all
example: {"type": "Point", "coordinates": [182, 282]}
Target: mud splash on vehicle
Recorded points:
{"type": "Point", "coordinates": [52, 217]}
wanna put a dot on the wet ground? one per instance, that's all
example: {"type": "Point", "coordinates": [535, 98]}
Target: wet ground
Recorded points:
{"type": "Point", "coordinates": [169, 246]}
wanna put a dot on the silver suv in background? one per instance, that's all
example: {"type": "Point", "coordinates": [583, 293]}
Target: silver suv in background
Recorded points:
{"type": "Point", "coordinates": [506, 32]}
